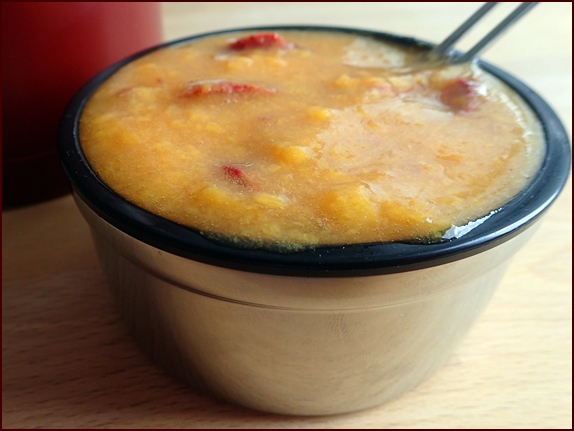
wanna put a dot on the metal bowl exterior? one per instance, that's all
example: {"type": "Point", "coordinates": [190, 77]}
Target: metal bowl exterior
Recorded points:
{"type": "Point", "coordinates": [295, 345]}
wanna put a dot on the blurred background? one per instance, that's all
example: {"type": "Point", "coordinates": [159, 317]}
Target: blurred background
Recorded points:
{"type": "Point", "coordinates": [49, 50]}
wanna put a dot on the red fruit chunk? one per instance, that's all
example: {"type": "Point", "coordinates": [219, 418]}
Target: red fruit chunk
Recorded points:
{"type": "Point", "coordinates": [460, 95]}
{"type": "Point", "coordinates": [197, 88]}
{"type": "Point", "coordinates": [236, 176]}
{"type": "Point", "coordinates": [261, 40]}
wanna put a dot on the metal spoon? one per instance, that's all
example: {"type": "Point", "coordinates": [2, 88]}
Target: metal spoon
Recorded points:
{"type": "Point", "coordinates": [441, 51]}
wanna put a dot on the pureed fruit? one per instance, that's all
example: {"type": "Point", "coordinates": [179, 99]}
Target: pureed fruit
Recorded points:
{"type": "Point", "coordinates": [303, 138]}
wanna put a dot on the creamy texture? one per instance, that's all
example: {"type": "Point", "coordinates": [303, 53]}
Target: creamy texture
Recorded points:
{"type": "Point", "coordinates": [308, 138]}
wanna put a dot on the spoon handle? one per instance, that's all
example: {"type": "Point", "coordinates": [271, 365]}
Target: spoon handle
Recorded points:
{"type": "Point", "coordinates": [442, 49]}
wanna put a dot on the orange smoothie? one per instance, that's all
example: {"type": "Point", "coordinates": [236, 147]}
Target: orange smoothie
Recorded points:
{"type": "Point", "coordinates": [303, 138]}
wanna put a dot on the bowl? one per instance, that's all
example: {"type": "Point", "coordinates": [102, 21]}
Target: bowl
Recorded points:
{"type": "Point", "coordinates": [322, 330]}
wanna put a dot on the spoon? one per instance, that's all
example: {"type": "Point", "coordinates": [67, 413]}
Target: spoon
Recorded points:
{"type": "Point", "coordinates": [440, 53]}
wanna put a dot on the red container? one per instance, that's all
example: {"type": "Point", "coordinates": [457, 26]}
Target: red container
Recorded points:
{"type": "Point", "coordinates": [49, 50]}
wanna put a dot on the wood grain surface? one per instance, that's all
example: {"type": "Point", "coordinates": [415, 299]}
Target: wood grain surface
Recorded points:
{"type": "Point", "coordinates": [69, 362]}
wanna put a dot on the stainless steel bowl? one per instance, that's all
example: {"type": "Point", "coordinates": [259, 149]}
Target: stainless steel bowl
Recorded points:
{"type": "Point", "coordinates": [322, 331]}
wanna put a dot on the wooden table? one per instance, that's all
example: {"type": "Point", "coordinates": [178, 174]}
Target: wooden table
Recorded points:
{"type": "Point", "coordinates": [68, 361]}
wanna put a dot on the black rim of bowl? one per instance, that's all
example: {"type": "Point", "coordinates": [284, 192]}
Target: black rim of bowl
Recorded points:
{"type": "Point", "coordinates": [323, 261]}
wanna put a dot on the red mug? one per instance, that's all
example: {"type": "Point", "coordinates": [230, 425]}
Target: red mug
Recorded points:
{"type": "Point", "coordinates": [49, 50]}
